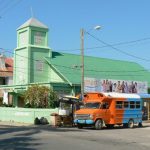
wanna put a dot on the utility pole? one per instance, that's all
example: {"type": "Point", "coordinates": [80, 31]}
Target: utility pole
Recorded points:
{"type": "Point", "coordinates": [82, 61]}
{"type": "Point", "coordinates": [82, 32]}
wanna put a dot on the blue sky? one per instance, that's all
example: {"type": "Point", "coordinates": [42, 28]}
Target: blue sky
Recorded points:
{"type": "Point", "coordinates": [121, 21]}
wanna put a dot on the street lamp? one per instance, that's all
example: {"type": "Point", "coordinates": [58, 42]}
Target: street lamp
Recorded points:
{"type": "Point", "coordinates": [82, 31]}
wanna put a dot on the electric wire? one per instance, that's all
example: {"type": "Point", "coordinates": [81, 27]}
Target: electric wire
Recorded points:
{"type": "Point", "coordinates": [5, 10]}
{"type": "Point", "coordinates": [70, 67]}
{"type": "Point", "coordinates": [117, 49]}
{"type": "Point", "coordinates": [116, 44]}
{"type": "Point", "coordinates": [88, 71]}
{"type": "Point", "coordinates": [97, 47]}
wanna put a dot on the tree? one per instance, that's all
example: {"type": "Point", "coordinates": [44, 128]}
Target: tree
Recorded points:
{"type": "Point", "coordinates": [40, 97]}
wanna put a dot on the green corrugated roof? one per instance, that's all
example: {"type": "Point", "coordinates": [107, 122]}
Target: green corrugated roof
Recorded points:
{"type": "Point", "coordinates": [101, 68]}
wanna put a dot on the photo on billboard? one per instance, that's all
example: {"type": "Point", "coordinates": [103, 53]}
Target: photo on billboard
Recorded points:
{"type": "Point", "coordinates": [110, 85]}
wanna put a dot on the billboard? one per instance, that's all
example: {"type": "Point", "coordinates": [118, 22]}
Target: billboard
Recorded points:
{"type": "Point", "coordinates": [110, 85]}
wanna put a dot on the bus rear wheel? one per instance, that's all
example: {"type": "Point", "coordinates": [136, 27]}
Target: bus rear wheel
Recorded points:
{"type": "Point", "coordinates": [98, 124]}
{"type": "Point", "coordinates": [131, 123]}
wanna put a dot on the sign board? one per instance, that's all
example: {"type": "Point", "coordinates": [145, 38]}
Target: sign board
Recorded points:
{"type": "Point", "coordinates": [92, 85]}
{"type": "Point", "coordinates": [110, 85]}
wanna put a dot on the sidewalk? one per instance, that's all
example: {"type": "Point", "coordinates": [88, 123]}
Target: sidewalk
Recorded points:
{"type": "Point", "coordinates": [146, 123]}
{"type": "Point", "coordinates": [7, 123]}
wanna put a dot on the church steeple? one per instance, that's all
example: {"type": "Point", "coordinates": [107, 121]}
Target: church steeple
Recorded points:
{"type": "Point", "coordinates": [32, 47]}
{"type": "Point", "coordinates": [32, 32]}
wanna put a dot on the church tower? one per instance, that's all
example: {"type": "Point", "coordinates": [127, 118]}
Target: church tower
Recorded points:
{"type": "Point", "coordinates": [32, 48]}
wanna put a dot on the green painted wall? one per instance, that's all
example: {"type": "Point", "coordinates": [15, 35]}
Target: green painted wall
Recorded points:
{"type": "Point", "coordinates": [54, 77]}
{"type": "Point", "coordinates": [25, 115]}
{"type": "Point", "coordinates": [21, 66]}
{"type": "Point", "coordinates": [39, 69]}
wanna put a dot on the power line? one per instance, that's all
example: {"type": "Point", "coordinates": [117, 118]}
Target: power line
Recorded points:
{"type": "Point", "coordinates": [70, 67]}
{"type": "Point", "coordinates": [116, 44]}
{"type": "Point", "coordinates": [93, 72]}
{"type": "Point", "coordinates": [6, 9]}
{"type": "Point", "coordinates": [5, 4]}
{"type": "Point", "coordinates": [97, 47]}
{"type": "Point", "coordinates": [112, 46]}
{"type": "Point", "coordinates": [118, 50]}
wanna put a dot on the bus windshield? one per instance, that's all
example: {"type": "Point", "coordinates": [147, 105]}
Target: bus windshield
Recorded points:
{"type": "Point", "coordinates": [92, 105]}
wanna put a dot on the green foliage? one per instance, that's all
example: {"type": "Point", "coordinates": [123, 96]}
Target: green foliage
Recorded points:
{"type": "Point", "coordinates": [40, 97]}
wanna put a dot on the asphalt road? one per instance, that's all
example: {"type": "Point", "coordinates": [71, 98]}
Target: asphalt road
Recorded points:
{"type": "Point", "coordinates": [49, 138]}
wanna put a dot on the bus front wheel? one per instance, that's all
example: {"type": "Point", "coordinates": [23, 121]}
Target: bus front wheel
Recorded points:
{"type": "Point", "coordinates": [98, 124]}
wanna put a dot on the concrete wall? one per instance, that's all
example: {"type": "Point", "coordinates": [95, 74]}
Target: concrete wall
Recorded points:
{"type": "Point", "coordinates": [25, 115]}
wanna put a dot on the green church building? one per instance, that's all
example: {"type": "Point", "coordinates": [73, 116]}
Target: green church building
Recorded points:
{"type": "Point", "coordinates": [35, 62]}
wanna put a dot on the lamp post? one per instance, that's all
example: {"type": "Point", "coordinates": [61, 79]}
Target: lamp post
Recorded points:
{"type": "Point", "coordinates": [82, 62]}
{"type": "Point", "coordinates": [82, 31]}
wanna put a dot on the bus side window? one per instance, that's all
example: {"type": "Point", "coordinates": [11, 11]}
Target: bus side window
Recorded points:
{"type": "Point", "coordinates": [119, 104]}
{"type": "Point", "coordinates": [137, 104]}
{"type": "Point", "coordinates": [132, 105]}
{"type": "Point", "coordinates": [126, 104]}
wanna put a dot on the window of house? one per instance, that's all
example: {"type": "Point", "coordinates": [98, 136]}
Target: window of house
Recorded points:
{"type": "Point", "coordinates": [38, 38]}
{"type": "Point", "coordinates": [39, 65]}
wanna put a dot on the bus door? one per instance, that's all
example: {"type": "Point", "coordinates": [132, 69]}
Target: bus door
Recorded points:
{"type": "Point", "coordinates": [146, 110]}
{"type": "Point", "coordinates": [105, 111]}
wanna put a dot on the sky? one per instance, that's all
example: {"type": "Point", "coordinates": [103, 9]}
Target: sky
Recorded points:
{"type": "Point", "coordinates": [124, 33]}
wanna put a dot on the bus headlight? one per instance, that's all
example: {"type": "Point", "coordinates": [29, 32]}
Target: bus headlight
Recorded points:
{"type": "Point", "coordinates": [91, 116]}
{"type": "Point", "coordinates": [75, 116]}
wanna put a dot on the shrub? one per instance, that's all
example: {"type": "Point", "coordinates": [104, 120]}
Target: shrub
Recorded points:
{"type": "Point", "coordinates": [40, 97]}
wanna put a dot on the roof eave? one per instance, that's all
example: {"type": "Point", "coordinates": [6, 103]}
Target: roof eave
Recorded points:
{"type": "Point", "coordinates": [58, 72]}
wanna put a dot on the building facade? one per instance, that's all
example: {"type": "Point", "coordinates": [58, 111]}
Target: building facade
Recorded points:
{"type": "Point", "coordinates": [6, 78]}
{"type": "Point", "coordinates": [36, 63]}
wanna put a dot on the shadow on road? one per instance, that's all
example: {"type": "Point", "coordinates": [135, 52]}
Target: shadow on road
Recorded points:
{"type": "Point", "coordinates": [17, 143]}
{"type": "Point", "coordinates": [22, 137]}
{"type": "Point", "coordinates": [28, 137]}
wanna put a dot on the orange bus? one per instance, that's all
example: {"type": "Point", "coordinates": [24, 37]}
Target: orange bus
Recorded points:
{"type": "Point", "coordinates": [109, 109]}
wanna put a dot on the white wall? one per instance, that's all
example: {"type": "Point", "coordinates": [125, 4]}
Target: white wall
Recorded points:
{"type": "Point", "coordinates": [9, 80]}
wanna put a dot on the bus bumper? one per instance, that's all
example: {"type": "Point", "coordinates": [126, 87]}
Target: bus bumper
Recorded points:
{"type": "Point", "coordinates": [89, 121]}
